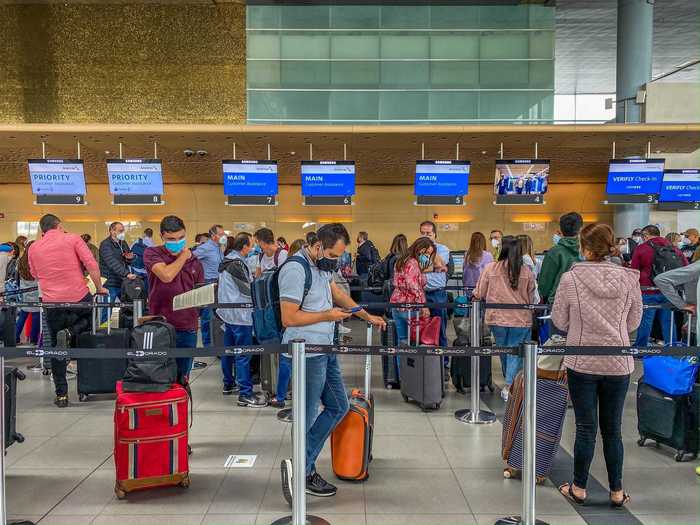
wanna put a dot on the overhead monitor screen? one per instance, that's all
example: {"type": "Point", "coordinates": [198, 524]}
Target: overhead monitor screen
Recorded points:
{"type": "Point", "coordinates": [135, 176]}
{"type": "Point", "coordinates": [250, 177]}
{"type": "Point", "coordinates": [680, 185]}
{"type": "Point", "coordinates": [441, 177]}
{"type": "Point", "coordinates": [635, 176]}
{"type": "Point", "coordinates": [331, 178]}
{"type": "Point", "coordinates": [57, 177]}
{"type": "Point", "coordinates": [521, 177]}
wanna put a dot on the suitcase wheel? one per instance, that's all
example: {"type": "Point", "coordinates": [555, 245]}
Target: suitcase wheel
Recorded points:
{"type": "Point", "coordinates": [83, 397]}
{"type": "Point", "coordinates": [507, 474]}
{"type": "Point", "coordinates": [540, 480]}
{"type": "Point", "coordinates": [185, 483]}
{"type": "Point", "coordinates": [189, 453]}
{"type": "Point", "coordinates": [19, 438]}
{"type": "Point", "coordinates": [45, 372]}
{"type": "Point", "coordinates": [121, 494]}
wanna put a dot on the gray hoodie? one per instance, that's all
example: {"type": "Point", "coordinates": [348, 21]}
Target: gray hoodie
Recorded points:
{"type": "Point", "coordinates": [687, 278]}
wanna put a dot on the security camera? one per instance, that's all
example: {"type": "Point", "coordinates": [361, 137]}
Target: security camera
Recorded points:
{"type": "Point", "coordinates": [188, 152]}
{"type": "Point", "coordinates": [202, 152]}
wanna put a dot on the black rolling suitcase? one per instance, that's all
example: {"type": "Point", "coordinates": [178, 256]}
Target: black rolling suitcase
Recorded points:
{"type": "Point", "coordinates": [390, 363]}
{"type": "Point", "coordinates": [100, 376]}
{"type": "Point", "coordinates": [461, 373]}
{"type": "Point", "coordinates": [669, 420]}
{"type": "Point", "coordinates": [8, 319]}
{"type": "Point", "coordinates": [12, 375]}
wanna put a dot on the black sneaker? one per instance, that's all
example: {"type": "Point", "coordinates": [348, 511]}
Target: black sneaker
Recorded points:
{"type": "Point", "coordinates": [230, 390]}
{"type": "Point", "coordinates": [286, 473]}
{"type": "Point", "coordinates": [252, 401]}
{"type": "Point", "coordinates": [61, 401]}
{"type": "Point", "coordinates": [275, 403]}
{"type": "Point", "coordinates": [319, 487]}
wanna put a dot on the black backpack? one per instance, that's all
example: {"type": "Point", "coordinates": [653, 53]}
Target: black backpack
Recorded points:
{"type": "Point", "coordinates": [666, 258]}
{"type": "Point", "coordinates": [133, 289]}
{"type": "Point", "coordinates": [159, 373]}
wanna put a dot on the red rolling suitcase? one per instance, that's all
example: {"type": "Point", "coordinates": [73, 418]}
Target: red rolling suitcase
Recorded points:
{"type": "Point", "coordinates": [150, 439]}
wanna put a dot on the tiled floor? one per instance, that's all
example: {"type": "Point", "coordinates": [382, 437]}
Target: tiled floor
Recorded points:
{"type": "Point", "coordinates": [427, 469]}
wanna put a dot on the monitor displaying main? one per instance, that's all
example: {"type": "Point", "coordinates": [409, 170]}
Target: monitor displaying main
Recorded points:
{"type": "Point", "coordinates": [250, 177]}
{"type": "Point", "coordinates": [135, 176]}
{"type": "Point", "coordinates": [680, 185]}
{"type": "Point", "coordinates": [328, 178]}
{"type": "Point", "coordinates": [441, 177]}
{"type": "Point", "coordinates": [521, 177]}
{"type": "Point", "coordinates": [635, 176]}
{"type": "Point", "coordinates": [57, 176]}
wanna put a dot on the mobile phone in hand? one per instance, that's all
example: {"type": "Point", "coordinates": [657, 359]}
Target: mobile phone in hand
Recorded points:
{"type": "Point", "coordinates": [353, 310]}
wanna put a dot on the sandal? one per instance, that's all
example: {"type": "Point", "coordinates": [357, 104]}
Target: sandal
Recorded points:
{"type": "Point", "coordinates": [567, 491]}
{"type": "Point", "coordinates": [619, 504]}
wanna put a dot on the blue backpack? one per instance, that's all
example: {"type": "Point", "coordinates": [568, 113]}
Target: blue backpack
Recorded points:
{"type": "Point", "coordinates": [137, 249]}
{"type": "Point", "coordinates": [265, 292]}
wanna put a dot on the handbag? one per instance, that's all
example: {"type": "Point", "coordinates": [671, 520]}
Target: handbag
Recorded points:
{"type": "Point", "coordinates": [552, 366]}
{"type": "Point", "coordinates": [429, 330]}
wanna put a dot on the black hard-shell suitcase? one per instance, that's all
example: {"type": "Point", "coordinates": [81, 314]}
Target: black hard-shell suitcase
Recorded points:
{"type": "Point", "coordinates": [8, 318]}
{"type": "Point", "coordinates": [461, 373]}
{"type": "Point", "coordinates": [12, 375]}
{"type": "Point", "coordinates": [669, 420]}
{"type": "Point", "coordinates": [390, 363]}
{"type": "Point", "coordinates": [100, 376]}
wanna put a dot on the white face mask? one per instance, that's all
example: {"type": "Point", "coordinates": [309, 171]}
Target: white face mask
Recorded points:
{"type": "Point", "coordinates": [684, 242]}
{"type": "Point", "coordinates": [495, 243]}
{"type": "Point", "coordinates": [121, 236]}
{"type": "Point", "coordinates": [223, 240]}
{"type": "Point", "coordinates": [637, 239]}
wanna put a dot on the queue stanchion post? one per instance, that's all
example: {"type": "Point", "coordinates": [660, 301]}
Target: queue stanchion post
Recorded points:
{"type": "Point", "coordinates": [299, 516]}
{"type": "Point", "coordinates": [137, 311]}
{"type": "Point", "coordinates": [3, 509]}
{"type": "Point", "coordinates": [474, 415]}
{"type": "Point", "coordinates": [528, 516]}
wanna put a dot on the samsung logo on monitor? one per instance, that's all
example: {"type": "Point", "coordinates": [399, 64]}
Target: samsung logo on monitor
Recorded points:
{"type": "Point", "coordinates": [249, 162]}
{"type": "Point", "coordinates": [331, 162]}
{"type": "Point", "coordinates": [136, 161]}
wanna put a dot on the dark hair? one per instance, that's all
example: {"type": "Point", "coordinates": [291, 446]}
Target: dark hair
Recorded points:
{"type": "Point", "coordinates": [212, 230]}
{"type": "Point", "coordinates": [171, 224]}
{"type": "Point", "coordinates": [399, 245]}
{"type": "Point", "coordinates": [23, 265]}
{"type": "Point", "coordinates": [429, 223]}
{"type": "Point", "coordinates": [48, 222]}
{"type": "Point", "coordinates": [673, 236]}
{"type": "Point", "coordinates": [86, 237]}
{"type": "Point", "coordinates": [265, 235]}
{"type": "Point", "coordinates": [512, 256]}
{"type": "Point", "coordinates": [15, 249]}
{"type": "Point", "coordinates": [477, 247]}
{"type": "Point", "coordinates": [413, 251]}
{"type": "Point", "coordinates": [330, 234]}
{"type": "Point", "coordinates": [282, 240]}
{"type": "Point", "coordinates": [363, 235]}
{"type": "Point", "coordinates": [526, 245]}
{"type": "Point", "coordinates": [570, 224]}
{"type": "Point", "coordinates": [297, 244]}
{"type": "Point", "coordinates": [148, 232]}
{"type": "Point", "coordinates": [114, 225]}
{"type": "Point", "coordinates": [496, 231]}
{"type": "Point", "coordinates": [651, 230]}
{"type": "Point", "coordinates": [311, 238]}
{"type": "Point", "coordinates": [241, 241]}
{"type": "Point", "coordinates": [599, 240]}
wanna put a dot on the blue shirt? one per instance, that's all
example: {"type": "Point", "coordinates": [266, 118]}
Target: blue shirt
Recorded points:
{"type": "Point", "coordinates": [210, 255]}
{"type": "Point", "coordinates": [438, 280]}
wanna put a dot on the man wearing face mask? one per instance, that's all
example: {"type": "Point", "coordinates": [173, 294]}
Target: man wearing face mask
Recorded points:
{"type": "Point", "coordinates": [115, 259]}
{"type": "Point", "coordinates": [495, 239]}
{"type": "Point", "coordinates": [436, 281]}
{"type": "Point", "coordinates": [690, 242]}
{"type": "Point", "coordinates": [210, 253]}
{"type": "Point", "coordinates": [561, 256]}
{"type": "Point", "coordinates": [313, 318]}
{"type": "Point", "coordinates": [172, 270]}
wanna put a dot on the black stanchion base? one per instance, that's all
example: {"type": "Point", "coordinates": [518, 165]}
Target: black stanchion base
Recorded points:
{"type": "Point", "coordinates": [516, 520]}
{"type": "Point", "coordinates": [310, 520]}
{"type": "Point", "coordinates": [285, 415]}
{"type": "Point", "coordinates": [483, 417]}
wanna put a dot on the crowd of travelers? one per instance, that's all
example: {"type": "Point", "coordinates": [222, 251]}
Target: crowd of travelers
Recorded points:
{"type": "Point", "coordinates": [597, 285]}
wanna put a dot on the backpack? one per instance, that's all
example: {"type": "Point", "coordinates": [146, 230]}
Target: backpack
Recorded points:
{"type": "Point", "coordinates": [665, 259]}
{"type": "Point", "coordinates": [133, 289]}
{"type": "Point", "coordinates": [265, 292]}
{"type": "Point", "coordinates": [380, 272]}
{"type": "Point", "coordinates": [137, 249]}
{"type": "Point", "coordinates": [153, 375]}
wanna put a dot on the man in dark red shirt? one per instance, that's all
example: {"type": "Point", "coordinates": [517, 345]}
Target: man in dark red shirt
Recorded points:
{"type": "Point", "coordinates": [172, 270]}
{"type": "Point", "coordinates": [643, 260]}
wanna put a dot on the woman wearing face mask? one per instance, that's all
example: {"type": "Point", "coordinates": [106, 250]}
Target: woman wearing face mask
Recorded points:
{"type": "Point", "coordinates": [508, 281]}
{"type": "Point", "coordinates": [409, 282]}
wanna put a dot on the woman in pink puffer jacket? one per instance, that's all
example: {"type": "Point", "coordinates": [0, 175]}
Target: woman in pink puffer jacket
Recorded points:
{"type": "Point", "coordinates": [598, 303]}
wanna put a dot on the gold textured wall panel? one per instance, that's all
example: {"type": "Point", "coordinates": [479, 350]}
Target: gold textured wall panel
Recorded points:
{"type": "Point", "coordinates": [132, 63]}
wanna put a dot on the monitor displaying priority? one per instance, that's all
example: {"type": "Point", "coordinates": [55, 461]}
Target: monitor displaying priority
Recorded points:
{"type": "Point", "coordinates": [250, 182]}
{"type": "Point", "coordinates": [680, 185]}
{"type": "Point", "coordinates": [57, 181]}
{"type": "Point", "coordinates": [135, 181]}
{"type": "Point", "coordinates": [441, 181]}
{"type": "Point", "coordinates": [521, 181]}
{"type": "Point", "coordinates": [634, 180]}
{"type": "Point", "coordinates": [328, 182]}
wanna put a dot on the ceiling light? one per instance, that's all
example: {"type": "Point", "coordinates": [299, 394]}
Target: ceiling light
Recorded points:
{"type": "Point", "coordinates": [308, 225]}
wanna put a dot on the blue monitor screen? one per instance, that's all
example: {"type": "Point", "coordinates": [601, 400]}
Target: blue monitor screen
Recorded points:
{"type": "Point", "coordinates": [681, 185]}
{"type": "Point", "coordinates": [135, 176]}
{"type": "Point", "coordinates": [448, 178]}
{"type": "Point", "coordinates": [521, 177]}
{"type": "Point", "coordinates": [635, 176]}
{"type": "Point", "coordinates": [250, 177]}
{"type": "Point", "coordinates": [57, 177]}
{"type": "Point", "coordinates": [328, 178]}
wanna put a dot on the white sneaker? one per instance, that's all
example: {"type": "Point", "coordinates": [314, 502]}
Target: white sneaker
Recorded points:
{"type": "Point", "coordinates": [505, 393]}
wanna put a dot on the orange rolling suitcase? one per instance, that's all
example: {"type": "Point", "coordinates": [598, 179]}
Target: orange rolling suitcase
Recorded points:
{"type": "Point", "coordinates": [351, 440]}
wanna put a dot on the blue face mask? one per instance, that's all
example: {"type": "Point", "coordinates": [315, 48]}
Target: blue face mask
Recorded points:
{"type": "Point", "coordinates": [423, 260]}
{"type": "Point", "coordinates": [556, 238]}
{"type": "Point", "coordinates": [175, 247]}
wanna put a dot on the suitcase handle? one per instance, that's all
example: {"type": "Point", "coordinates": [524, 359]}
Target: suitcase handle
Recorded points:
{"type": "Point", "coordinates": [368, 363]}
{"type": "Point", "coordinates": [97, 299]}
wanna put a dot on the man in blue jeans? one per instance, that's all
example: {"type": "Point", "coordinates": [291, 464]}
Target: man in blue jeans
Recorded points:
{"type": "Point", "coordinates": [115, 260]}
{"type": "Point", "coordinates": [210, 253]}
{"type": "Point", "coordinates": [172, 270]}
{"type": "Point", "coordinates": [312, 318]}
{"type": "Point", "coordinates": [234, 287]}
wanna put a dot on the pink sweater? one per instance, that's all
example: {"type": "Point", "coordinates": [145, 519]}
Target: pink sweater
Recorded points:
{"type": "Point", "coordinates": [598, 304]}
{"type": "Point", "coordinates": [494, 287]}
